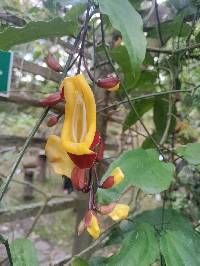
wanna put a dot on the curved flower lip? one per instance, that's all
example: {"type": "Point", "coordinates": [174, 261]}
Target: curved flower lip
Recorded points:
{"type": "Point", "coordinates": [87, 160]}
{"type": "Point", "coordinates": [58, 157]}
{"type": "Point", "coordinates": [80, 116]}
{"type": "Point", "coordinates": [83, 161]}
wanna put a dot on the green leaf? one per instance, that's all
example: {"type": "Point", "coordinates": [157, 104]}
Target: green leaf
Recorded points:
{"type": "Point", "coordinates": [180, 248]}
{"type": "Point", "coordinates": [139, 248]}
{"type": "Point", "coordinates": [124, 18]}
{"type": "Point", "coordinates": [120, 55]}
{"type": "Point", "coordinates": [72, 16]}
{"type": "Point", "coordinates": [148, 143]}
{"type": "Point", "coordinates": [190, 152]}
{"type": "Point", "coordinates": [146, 79]}
{"type": "Point", "coordinates": [173, 220]}
{"type": "Point", "coordinates": [23, 253]}
{"type": "Point", "coordinates": [142, 169]}
{"type": "Point", "coordinates": [79, 262]}
{"type": "Point", "coordinates": [160, 116]}
{"type": "Point", "coordinates": [142, 106]}
{"type": "Point", "coordinates": [56, 27]}
{"type": "Point", "coordinates": [174, 28]}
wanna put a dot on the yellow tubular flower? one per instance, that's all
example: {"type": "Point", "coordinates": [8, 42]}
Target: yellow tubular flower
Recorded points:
{"type": "Point", "coordinates": [58, 157]}
{"type": "Point", "coordinates": [119, 212]}
{"type": "Point", "coordinates": [118, 175]}
{"type": "Point", "coordinates": [93, 227]}
{"type": "Point", "coordinates": [80, 116]}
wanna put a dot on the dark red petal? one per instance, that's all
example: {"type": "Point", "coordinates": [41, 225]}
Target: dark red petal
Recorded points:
{"type": "Point", "coordinates": [108, 183]}
{"type": "Point", "coordinates": [96, 140]}
{"type": "Point", "coordinates": [83, 161]}
{"type": "Point", "coordinates": [52, 100]}
{"type": "Point", "coordinates": [78, 178]}
{"type": "Point", "coordinates": [108, 83]}
{"type": "Point", "coordinates": [100, 151]}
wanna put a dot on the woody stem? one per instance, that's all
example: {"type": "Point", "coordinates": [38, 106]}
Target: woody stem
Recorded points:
{"type": "Point", "coordinates": [91, 191]}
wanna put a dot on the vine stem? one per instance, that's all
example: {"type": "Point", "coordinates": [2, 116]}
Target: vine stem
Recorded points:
{"type": "Point", "coordinates": [145, 97]}
{"type": "Point", "coordinates": [6, 244]}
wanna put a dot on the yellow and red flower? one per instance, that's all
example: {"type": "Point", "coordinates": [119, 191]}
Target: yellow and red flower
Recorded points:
{"type": "Point", "coordinates": [79, 147]}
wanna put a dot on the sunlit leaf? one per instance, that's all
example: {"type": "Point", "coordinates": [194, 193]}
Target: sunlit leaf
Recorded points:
{"type": "Point", "coordinates": [142, 106]}
{"type": "Point", "coordinates": [142, 169]}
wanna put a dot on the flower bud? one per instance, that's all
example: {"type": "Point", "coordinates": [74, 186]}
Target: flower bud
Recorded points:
{"type": "Point", "coordinates": [106, 209]}
{"type": "Point", "coordinates": [114, 179]}
{"type": "Point", "coordinates": [109, 83]}
{"type": "Point", "coordinates": [53, 63]}
{"type": "Point", "coordinates": [52, 121]}
{"type": "Point", "coordinates": [92, 224]}
{"type": "Point", "coordinates": [52, 99]}
{"type": "Point", "coordinates": [119, 212]}
{"type": "Point", "coordinates": [108, 183]}
{"type": "Point", "coordinates": [78, 178]}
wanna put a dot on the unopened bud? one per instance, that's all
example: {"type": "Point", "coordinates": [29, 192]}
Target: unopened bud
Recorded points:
{"type": "Point", "coordinates": [52, 121]}
{"type": "Point", "coordinates": [109, 83]}
{"type": "Point", "coordinates": [53, 63]}
{"type": "Point", "coordinates": [108, 183]}
{"type": "Point", "coordinates": [78, 178]}
{"type": "Point", "coordinates": [52, 100]}
{"type": "Point", "coordinates": [106, 209]}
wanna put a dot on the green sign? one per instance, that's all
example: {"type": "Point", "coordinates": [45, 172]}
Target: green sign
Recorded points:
{"type": "Point", "coordinates": [6, 60]}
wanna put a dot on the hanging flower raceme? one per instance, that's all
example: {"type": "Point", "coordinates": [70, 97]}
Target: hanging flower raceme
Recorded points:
{"type": "Point", "coordinates": [79, 147]}
{"type": "Point", "coordinates": [114, 210]}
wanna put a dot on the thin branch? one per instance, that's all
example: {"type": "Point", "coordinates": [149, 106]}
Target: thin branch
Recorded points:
{"type": "Point", "coordinates": [158, 24]}
{"type": "Point", "coordinates": [156, 94]}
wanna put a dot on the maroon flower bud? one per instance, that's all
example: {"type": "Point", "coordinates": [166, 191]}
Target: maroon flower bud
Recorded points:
{"type": "Point", "coordinates": [53, 63]}
{"type": "Point", "coordinates": [52, 99]}
{"type": "Point", "coordinates": [109, 83]}
{"type": "Point", "coordinates": [52, 121]}
{"type": "Point", "coordinates": [108, 183]}
{"type": "Point", "coordinates": [78, 178]}
{"type": "Point", "coordinates": [105, 209]}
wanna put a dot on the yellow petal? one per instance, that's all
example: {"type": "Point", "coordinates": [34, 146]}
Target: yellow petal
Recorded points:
{"type": "Point", "coordinates": [119, 212]}
{"type": "Point", "coordinates": [80, 116]}
{"type": "Point", "coordinates": [115, 88]}
{"type": "Point", "coordinates": [58, 157]}
{"type": "Point", "coordinates": [93, 228]}
{"type": "Point", "coordinates": [118, 175]}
